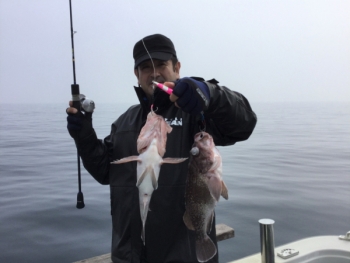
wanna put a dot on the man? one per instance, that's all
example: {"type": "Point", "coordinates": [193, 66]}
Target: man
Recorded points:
{"type": "Point", "coordinates": [227, 117]}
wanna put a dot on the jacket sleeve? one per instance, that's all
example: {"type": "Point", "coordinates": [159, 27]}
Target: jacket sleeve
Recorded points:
{"type": "Point", "coordinates": [229, 117]}
{"type": "Point", "coordinates": [95, 156]}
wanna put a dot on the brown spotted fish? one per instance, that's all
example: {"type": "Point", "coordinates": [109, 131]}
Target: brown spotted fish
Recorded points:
{"type": "Point", "coordinates": [151, 145]}
{"type": "Point", "coordinates": [204, 186]}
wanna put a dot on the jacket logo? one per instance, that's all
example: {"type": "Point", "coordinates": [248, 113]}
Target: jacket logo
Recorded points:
{"type": "Point", "coordinates": [174, 122]}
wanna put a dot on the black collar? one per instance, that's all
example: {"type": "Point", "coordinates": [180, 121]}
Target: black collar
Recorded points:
{"type": "Point", "coordinates": [161, 100]}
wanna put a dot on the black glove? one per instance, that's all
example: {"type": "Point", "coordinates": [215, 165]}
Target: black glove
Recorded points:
{"type": "Point", "coordinates": [80, 125]}
{"type": "Point", "coordinates": [193, 95]}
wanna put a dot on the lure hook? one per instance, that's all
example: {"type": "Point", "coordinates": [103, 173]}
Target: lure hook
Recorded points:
{"type": "Point", "coordinates": [153, 111]}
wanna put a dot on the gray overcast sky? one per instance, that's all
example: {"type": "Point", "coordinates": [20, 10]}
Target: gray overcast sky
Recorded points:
{"type": "Point", "coordinates": [267, 50]}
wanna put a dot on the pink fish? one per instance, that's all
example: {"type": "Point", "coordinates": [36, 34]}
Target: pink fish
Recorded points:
{"type": "Point", "coordinates": [204, 186]}
{"type": "Point", "coordinates": [151, 145]}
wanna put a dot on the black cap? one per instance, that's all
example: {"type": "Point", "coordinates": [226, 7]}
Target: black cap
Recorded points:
{"type": "Point", "coordinates": [158, 46]}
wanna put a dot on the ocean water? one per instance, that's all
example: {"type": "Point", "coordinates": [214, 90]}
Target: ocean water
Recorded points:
{"type": "Point", "coordinates": [294, 169]}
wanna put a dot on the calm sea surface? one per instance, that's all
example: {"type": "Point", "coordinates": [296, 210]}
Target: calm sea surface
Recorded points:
{"type": "Point", "coordinates": [294, 169]}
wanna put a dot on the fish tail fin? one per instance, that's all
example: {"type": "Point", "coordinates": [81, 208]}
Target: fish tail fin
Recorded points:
{"type": "Point", "coordinates": [144, 210]}
{"type": "Point", "coordinates": [205, 249]}
{"type": "Point", "coordinates": [143, 235]}
{"type": "Point", "coordinates": [144, 217]}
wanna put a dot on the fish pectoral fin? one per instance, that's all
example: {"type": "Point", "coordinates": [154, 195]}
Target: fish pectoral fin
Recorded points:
{"type": "Point", "coordinates": [173, 160]}
{"type": "Point", "coordinates": [224, 191]}
{"type": "Point", "coordinates": [127, 159]}
{"type": "Point", "coordinates": [216, 163]}
{"type": "Point", "coordinates": [215, 186]}
{"type": "Point", "coordinates": [187, 221]}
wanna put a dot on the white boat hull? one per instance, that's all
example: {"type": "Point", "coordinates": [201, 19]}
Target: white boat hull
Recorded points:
{"type": "Point", "coordinates": [320, 249]}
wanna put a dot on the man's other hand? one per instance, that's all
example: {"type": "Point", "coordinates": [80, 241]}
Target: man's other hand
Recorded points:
{"type": "Point", "coordinates": [190, 95]}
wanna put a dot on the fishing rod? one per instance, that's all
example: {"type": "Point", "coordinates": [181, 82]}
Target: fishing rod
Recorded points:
{"type": "Point", "coordinates": [77, 105]}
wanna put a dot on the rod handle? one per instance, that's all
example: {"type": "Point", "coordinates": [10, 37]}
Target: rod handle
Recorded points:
{"type": "Point", "coordinates": [80, 200]}
{"type": "Point", "coordinates": [75, 96]}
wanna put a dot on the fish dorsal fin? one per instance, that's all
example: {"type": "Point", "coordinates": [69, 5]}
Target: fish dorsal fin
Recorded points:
{"type": "Point", "coordinates": [127, 159]}
{"type": "Point", "coordinates": [224, 191]}
{"type": "Point", "coordinates": [187, 221]}
{"type": "Point", "coordinates": [173, 160]}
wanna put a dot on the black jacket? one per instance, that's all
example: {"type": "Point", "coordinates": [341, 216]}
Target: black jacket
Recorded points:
{"type": "Point", "coordinates": [229, 118]}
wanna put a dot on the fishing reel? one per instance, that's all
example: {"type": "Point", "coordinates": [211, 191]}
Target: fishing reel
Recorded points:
{"type": "Point", "coordinates": [87, 105]}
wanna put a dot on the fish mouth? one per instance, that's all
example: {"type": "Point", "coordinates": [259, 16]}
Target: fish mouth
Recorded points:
{"type": "Point", "coordinates": [201, 135]}
{"type": "Point", "coordinates": [203, 138]}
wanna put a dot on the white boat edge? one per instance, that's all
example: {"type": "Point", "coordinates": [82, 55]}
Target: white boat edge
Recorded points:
{"type": "Point", "coordinates": [311, 249]}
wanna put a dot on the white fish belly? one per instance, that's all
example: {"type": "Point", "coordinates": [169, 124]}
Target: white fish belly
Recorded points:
{"type": "Point", "coordinates": [147, 179]}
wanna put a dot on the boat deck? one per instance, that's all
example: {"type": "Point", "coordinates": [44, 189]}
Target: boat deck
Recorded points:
{"type": "Point", "coordinates": [223, 232]}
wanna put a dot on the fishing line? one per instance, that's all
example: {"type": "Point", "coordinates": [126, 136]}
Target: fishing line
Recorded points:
{"type": "Point", "coordinates": [202, 123]}
{"type": "Point", "coordinates": [154, 68]}
{"type": "Point", "coordinates": [154, 75]}
{"type": "Point", "coordinates": [144, 45]}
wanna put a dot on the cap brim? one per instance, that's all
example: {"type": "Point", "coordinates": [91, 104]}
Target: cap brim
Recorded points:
{"type": "Point", "coordinates": [154, 55]}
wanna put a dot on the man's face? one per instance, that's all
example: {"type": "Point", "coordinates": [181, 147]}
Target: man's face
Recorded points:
{"type": "Point", "coordinates": [163, 71]}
